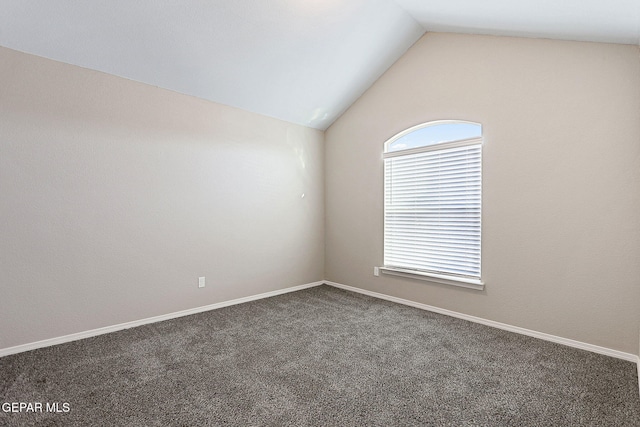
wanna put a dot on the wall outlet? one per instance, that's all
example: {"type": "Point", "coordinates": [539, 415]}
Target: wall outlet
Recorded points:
{"type": "Point", "coordinates": [376, 271]}
{"type": "Point", "coordinates": [201, 282]}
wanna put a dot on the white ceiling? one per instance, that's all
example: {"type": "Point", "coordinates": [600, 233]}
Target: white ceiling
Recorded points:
{"type": "Point", "coordinates": [609, 21]}
{"type": "Point", "coordinates": [303, 61]}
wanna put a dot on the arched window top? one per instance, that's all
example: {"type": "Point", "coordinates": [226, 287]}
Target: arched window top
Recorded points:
{"type": "Point", "coordinates": [433, 133]}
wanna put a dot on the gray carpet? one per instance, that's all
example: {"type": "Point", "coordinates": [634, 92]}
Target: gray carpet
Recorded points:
{"type": "Point", "coordinates": [320, 357]}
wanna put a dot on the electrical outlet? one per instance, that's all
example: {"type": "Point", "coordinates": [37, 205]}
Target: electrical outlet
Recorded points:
{"type": "Point", "coordinates": [201, 282]}
{"type": "Point", "coordinates": [376, 271]}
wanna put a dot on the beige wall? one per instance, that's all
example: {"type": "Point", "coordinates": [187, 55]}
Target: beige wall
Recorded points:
{"type": "Point", "coordinates": [561, 201]}
{"type": "Point", "coordinates": [115, 196]}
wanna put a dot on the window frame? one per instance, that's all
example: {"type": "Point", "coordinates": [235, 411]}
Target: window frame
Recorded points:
{"type": "Point", "coordinates": [449, 278]}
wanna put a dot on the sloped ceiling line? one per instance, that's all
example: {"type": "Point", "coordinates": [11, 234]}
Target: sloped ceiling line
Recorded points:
{"type": "Point", "coordinates": [302, 61]}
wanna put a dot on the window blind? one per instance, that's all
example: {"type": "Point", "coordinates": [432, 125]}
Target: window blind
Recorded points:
{"type": "Point", "coordinates": [432, 209]}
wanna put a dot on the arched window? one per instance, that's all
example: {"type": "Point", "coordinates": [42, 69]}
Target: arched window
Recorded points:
{"type": "Point", "coordinates": [433, 202]}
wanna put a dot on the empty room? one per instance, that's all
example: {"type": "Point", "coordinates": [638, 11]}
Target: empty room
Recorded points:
{"type": "Point", "coordinates": [319, 213]}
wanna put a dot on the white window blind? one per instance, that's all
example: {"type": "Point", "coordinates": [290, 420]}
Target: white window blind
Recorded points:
{"type": "Point", "coordinates": [432, 209]}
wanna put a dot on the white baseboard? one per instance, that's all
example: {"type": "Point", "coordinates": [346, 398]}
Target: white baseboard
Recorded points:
{"type": "Point", "coordinates": [547, 337]}
{"type": "Point", "coordinates": [107, 329]}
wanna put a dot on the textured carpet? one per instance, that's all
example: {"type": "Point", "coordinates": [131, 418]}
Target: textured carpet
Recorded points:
{"type": "Point", "coordinates": [321, 357]}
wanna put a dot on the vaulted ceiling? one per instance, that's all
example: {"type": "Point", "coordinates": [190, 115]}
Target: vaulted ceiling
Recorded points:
{"type": "Point", "coordinates": [303, 61]}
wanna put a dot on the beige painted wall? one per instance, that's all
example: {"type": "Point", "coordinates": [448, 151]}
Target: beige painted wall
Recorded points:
{"type": "Point", "coordinates": [561, 201]}
{"type": "Point", "coordinates": [115, 196]}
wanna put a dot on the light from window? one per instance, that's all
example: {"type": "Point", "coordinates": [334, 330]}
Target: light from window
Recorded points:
{"type": "Point", "coordinates": [433, 199]}
{"type": "Point", "coordinates": [435, 134]}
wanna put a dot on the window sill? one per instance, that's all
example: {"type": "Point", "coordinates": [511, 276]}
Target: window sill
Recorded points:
{"type": "Point", "coordinates": [432, 277]}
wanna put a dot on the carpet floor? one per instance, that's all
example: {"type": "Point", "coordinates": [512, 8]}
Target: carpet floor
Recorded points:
{"type": "Point", "coordinates": [318, 357]}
